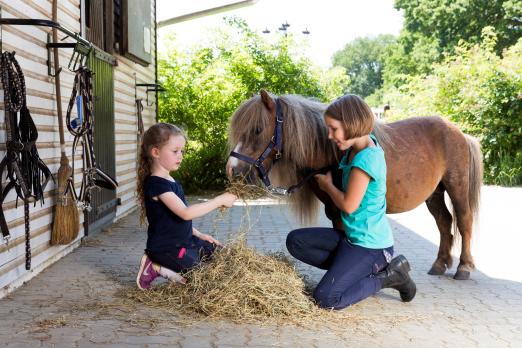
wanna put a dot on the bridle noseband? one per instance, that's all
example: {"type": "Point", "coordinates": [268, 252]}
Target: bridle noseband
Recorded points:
{"type": "Point", "coordinates": [275, 145]}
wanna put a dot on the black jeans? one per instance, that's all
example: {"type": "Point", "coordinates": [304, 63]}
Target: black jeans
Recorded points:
{"type": "Point", "coordinates": [184, 257]}
{"type": "Point", "coordinates": [350, 268]}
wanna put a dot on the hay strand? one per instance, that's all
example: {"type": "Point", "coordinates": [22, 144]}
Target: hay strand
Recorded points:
{"type": "Point", "coordinates": [245, 191]}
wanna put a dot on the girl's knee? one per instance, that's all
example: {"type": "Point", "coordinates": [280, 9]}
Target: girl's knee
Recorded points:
{"type": "Point", "coordinates": [293, 241]}
{"type": "Point", "coordinates": [323, 297]}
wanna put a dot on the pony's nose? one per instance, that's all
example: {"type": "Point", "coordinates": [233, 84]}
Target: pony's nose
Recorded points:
{"type": "Point", "coordinates": [236, 172]}
{"type": "Point", "coordinates": [232, 171]}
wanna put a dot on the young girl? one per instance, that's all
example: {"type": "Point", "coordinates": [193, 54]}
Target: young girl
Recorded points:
{"type": "Point", "coordinates": [358, 259]}
{"type": "Point", "coordinates": [173, 245]}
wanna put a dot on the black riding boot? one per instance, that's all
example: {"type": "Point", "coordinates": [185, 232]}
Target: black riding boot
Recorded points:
{"type": "Point", "coordinates": [396, 276]}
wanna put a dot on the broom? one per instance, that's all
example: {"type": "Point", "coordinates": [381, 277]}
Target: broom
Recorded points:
{"type": "Point", "coordinates": [66, 223]}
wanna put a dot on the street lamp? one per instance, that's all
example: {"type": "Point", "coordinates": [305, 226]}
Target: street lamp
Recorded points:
{"type": "Point", "coordinates": [284, 29]}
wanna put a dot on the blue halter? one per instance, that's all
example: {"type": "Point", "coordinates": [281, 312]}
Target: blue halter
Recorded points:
{"type": "Point", "coordinates": [275, 145]}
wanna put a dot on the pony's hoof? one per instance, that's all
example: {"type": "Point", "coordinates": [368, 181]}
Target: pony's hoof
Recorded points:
{"type": "Point", "coordinates": [462, 275]}
{"type": "Point", "coordinates": [437, 270]}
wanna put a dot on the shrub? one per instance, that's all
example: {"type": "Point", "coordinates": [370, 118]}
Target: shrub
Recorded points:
{"type": "Point", "coordinates": [206, 85]}
{"type": "Point", "coordinates": [482, 93]}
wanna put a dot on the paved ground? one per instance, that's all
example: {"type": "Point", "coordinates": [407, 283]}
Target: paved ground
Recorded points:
{"type": "Point", "coordinates": [74, 303]}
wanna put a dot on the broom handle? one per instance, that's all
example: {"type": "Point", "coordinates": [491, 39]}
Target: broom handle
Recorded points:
{"type": "Point", "coordinates": [57, 84]}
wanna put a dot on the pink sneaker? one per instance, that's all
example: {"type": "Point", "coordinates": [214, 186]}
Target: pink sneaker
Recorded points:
{"type": "Point", "coordinates": [146, 274]}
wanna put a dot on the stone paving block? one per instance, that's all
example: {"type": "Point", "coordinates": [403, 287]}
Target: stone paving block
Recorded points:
{"type": "Point", "coordinates": [144, 339]}
{"type": "Point", "coordinates": [88, 344]}
{"type": "Point", "coordinates": [197, 342]}
{"type": "Point", "coordinates": [262, 336]}
{"type": "Point", "coordinates": [331, 343]}
{"type": "Point", "coordinates": [231, 337]}
{"type": "Point", "coordinates": [21, 344]}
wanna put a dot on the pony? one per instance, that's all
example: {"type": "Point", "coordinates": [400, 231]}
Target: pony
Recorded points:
{"type": "Point", "coordinates": [425, 157]}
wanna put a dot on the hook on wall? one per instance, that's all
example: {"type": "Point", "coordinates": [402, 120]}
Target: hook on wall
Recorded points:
{"type": "Point", "coordinates": [81, 47]}
{"type": "Point", "coordinates": [151, 87]}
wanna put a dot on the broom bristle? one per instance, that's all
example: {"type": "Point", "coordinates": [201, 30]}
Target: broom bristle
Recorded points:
{"type": "Point", "coordinates": [66, 223]}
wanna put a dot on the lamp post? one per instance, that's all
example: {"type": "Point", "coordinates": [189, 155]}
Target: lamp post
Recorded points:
{"type": "Point", "coordinates": [284, 29]}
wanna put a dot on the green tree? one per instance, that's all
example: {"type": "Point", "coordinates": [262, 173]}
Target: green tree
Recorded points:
{"type": "Point", "coordinates": [483, 93]}
{"type": "Point", "coordinates": [206, 84]}
{"type": "Point", "coordinates": [411, 55]}
{"type": "Point", "coordinates": [449, 21]}
{"type": "Point", "coordinates": [432, 30]}
{"type": "Point", "coordinates": [363, 60]}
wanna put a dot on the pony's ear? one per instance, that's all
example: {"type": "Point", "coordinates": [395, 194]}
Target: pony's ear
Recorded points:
{"type": "Point", "coordinates": [267, 100]}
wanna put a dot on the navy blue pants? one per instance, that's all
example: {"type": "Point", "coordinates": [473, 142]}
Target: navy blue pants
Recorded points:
{"type": "Point", "coordinates": [350, 268]}
{"type": "Point", "coordinates": [183, 257]}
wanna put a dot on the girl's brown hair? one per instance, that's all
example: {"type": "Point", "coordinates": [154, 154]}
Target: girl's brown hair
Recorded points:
{"type": "Point", "coordinates": [156, 136]}
{"type": "Point", "coordinates": [354, 113]}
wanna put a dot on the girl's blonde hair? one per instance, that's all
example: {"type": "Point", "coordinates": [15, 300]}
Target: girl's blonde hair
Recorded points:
{"type": "Point", "coordinates": [354, 113]}
{"type": "Point", "coordinates": [156, 136]}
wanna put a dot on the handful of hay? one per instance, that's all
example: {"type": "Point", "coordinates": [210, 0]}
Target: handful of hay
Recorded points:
{"type": "Point", "coordinates": [245, 191]}
{"type": "Point", "coordinates": [238, 284]}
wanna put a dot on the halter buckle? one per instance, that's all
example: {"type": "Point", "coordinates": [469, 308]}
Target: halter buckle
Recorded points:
{"type": "Point", "coordinates": [6, 240]}
{"type": "Point", "coordinates": [278, 191]}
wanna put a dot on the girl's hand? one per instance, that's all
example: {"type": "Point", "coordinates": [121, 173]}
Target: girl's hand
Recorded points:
{"type": "Point", "coordinates": [226, 199]}
{"type": "Point", "coordinates": [209, 238]}
{"type": "Point", "coordinates": [324, 181]}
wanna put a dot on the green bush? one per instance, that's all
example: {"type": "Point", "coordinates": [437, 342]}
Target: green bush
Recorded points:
{"type": "Point", "coordinates": [207, 84]}
{"type": "Point", "coordinates": [482, 93]}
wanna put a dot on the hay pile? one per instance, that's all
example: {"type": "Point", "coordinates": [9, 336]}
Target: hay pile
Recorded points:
{"type": "Point", "coordinates": [243, 286]}
{"type": "Point", "coordinates": [238, 284]}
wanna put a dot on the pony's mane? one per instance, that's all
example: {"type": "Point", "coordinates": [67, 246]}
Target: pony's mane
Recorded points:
{"type": "Point", "coordinates": [305, 144]}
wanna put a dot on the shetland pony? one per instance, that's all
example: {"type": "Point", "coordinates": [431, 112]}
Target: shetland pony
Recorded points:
{"type": "Point", "coordinates": [425, 157]}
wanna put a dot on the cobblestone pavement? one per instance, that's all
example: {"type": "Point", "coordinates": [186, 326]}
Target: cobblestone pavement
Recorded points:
{"type": "Point", "coordinates": [73, 303]}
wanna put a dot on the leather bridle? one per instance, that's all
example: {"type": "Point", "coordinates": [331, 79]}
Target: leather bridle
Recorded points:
{"type": "Point", "coordinates": [276, 146]}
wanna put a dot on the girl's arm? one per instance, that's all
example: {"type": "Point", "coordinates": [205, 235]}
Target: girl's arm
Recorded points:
{"type": "Point", "coordinates": [350, 200]}
{"type": "Point", "coordinates": [176, 205]}
{"type": "Point", "coordinates": [206, 237]}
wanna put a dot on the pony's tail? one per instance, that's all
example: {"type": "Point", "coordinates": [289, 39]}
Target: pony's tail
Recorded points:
{"type": "Point", "coordinates": [475, 175]}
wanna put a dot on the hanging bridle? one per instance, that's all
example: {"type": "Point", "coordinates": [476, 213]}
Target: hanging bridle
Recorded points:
{"type": "Point", "coordinates": [24, 170]}
{"type": "Point", "coordinates": [83, 130]}
{"type": "Point", "coordinates": [276, 146]}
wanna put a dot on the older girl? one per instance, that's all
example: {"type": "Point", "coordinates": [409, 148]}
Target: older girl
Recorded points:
{"type": "Point", "coordinates": [358, 260]}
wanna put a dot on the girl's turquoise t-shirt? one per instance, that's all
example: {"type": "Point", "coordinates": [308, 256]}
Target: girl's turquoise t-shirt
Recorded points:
{"type": "Point", "coordinates": [368, 225]}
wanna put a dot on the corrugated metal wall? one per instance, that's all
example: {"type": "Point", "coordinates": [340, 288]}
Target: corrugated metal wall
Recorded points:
{"type": "Point", "coordinates": [29, 44]}
{"type": "Point", "coordinates": [103, 201]}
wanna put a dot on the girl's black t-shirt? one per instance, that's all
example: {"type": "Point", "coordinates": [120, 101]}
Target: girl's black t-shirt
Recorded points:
{"type": "Point", "coordinates": [166, 230]}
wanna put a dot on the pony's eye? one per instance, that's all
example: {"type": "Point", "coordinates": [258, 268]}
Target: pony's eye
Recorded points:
{"type": "Point", "coordinates": [258, 131]}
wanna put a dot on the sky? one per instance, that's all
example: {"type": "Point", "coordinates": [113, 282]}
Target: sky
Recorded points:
{"type": "Point", "coordinates": [331, 23]}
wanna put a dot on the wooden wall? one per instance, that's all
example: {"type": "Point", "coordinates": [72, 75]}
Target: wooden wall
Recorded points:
{"type": "Point", "coordinates": [29, 43]}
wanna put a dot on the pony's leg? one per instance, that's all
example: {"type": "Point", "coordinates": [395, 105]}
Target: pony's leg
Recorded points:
{"type": "Point", "coordinates": [443, 218]}
{"type": "Point", "coordinates": [459, 198]}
